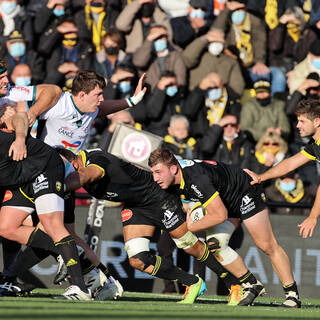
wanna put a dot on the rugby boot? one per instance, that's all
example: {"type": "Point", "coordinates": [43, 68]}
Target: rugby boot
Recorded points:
{"type": "Point", "coordinates": [292, 300]}
{"type": "Point", "coordinates": [62, 271]}
{"type": "Point", "coordinates": [94, 279]}
{"type": "Point", "coordinates": [235, 295]}
{"type": "Point", "coordinates": [111, 290]}
{"type": "Point", "coordinates": [75, 293]}
{"type": "Point", "coordinates": [9, 287]}
{"type": "Point", "coordinates": [250, 292]}
{"type": "Point", "coordinates": [194, 291]}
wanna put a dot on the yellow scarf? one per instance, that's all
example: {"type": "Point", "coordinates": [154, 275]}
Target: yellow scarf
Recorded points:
{"type": "Point", "coordinates": [307, 7]}
{"type": "Point", "coordinates": [98, 30]}
{"type": "Point", "coordinates": [293, 196]}
{"type": "Point", "coordinates": [271, 13]}
{"type": "Point", "coordinates": [293, 31]}
{"type": "Point", "coordinates": [182, 146]}
{"type": "Point", "coordinates": [216, 108]}
{"type": "Point", "coordinates": [243, 39]}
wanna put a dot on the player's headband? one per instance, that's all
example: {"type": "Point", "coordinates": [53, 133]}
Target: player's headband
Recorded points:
{"type": "Point", "coordinates": [2, 70]}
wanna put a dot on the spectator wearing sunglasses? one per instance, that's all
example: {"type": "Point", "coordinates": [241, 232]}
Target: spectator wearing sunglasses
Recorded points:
{"type": "Point", "coordinates": [226, 142]}
{"type": "Point", "coordinates": [263, 111]}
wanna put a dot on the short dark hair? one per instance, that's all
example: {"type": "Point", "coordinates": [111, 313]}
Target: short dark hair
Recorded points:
{"type": "Point", "coordinates": [69, 155]}
{"type": "Point", "coordinates": [309, 107]}
{"type": "Point", "coordinates": [162, 155]}
{"type": "Point", "coordinates": [86, 81]}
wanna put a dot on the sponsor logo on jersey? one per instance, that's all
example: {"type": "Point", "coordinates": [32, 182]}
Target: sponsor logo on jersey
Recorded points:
{"type": "Point", "coordinates": [111, 194]}
{"type": "Point", "coordinates": [126, 215]}
{"type": "Point", "coordinates": [73, 146]}
{"type": "Point", "coordinates": [186, 163]}
{"type": "Point", "coordinates": [196, 191]}
{"type": "Point", "coordinates": [136, 147]}
{"type": "Point", "coordinates": [247, 204]}
{"type": "Point", "coordinates": [65, 131]}
{"type": "Point", "coordinates": [58, 185]}
{"type": "Point", "coordinates": [7, 196]}
{"type": "Point", "coordinates": [263, 197]}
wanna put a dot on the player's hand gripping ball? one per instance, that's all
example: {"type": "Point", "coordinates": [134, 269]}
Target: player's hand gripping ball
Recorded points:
{"type": "Point", "coordinates": [197, 213]}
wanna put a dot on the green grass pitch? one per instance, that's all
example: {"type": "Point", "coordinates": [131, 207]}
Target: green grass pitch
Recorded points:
{"type": "Point", "coordinates": [143, 306]}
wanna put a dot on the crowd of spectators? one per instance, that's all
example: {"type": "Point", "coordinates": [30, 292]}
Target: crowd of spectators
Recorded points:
{"type": "Point", "coordinates": [223, 77]}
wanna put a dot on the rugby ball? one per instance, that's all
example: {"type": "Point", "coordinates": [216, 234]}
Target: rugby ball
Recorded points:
{"type": "Point", "coordinates": [197, 213]}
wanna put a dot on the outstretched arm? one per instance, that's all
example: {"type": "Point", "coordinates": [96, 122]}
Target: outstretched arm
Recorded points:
{"type": "Point", "coordinates": [279, 170]}
{"type": "Point", "coordinates": [110, 106]}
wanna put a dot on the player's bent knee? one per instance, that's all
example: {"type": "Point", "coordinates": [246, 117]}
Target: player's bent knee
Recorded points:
{"type": "Point", "coordinates": [221, 241]}
{"type": "Point", "coordinates": [143, 260]}
{"type": "Point", "coordinates": [187, 241]}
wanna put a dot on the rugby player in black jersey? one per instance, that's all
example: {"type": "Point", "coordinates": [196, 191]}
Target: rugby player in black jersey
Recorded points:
{"type": "Point", "coordinates": [308, 113]}
{"type": "Point", "coordinates": [146, 207]}
{"type": "Point", "coordinates": [225, 192]}
{"type": "Point", "coordinates": [40, 175]}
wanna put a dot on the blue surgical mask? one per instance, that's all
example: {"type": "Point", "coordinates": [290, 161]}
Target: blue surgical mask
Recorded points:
{"type": "Point", "coordinates": [8, 7]}
{"type": "Point", "coordinates": [287, 186]}
{"type": "Point", "coordinates": [124, 86]}
{"type": "Point", "coordinates": [214, 94]}
{"type": "Point", "coordinates": [197, 13]}
{"type": "Point", "coordinates": [17, 49]}
{"type": "Point", "coordinates": [316, 62]}
{"type": "Point", "coordinates": [58, 13]}
{"type": "Point", "coordinates": [171, 91]}
{"type": "Point", "coordinates": [160, 45]}
{"type": "Point", "coordinates": [238, 16]}
{"type": "Point", "coordinates": [23, 81]}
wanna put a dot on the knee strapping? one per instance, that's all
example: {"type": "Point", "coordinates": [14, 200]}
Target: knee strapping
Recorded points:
{"type": "Point", "coordinates": [187, 241]}
{"type": "Point", "coordinates": [219, 236]}
{"type": "Point", "coordinates": [136, 245]}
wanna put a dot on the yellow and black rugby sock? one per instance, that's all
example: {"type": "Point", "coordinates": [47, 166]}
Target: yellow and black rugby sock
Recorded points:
{"type": "Point", "coordinates": [69, 253]}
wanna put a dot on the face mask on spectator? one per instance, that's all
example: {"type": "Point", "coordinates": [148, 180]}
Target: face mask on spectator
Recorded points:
{"type": "Point", "coordinates": [17, 49]}
{"type": "Point", "coordinates": [287, 186]}
{"type": "Point", "coordinates": [58, 13]}
{"type": "Point", "coordinates": [264, 102]}
{"type": "Point", "coordinates": [124, 86]}
{"type": "Point", "coordinates": [8, 7]}
{"type": "Point", "coordinates": [316, 62]}
{"type": "Point", "coordinates": [160, 45]}
{"type": "Point", "coordinates": [147, 10]}
{"type": "Point", "coordinates": [215, 48]}
{"type": "Point", "coordinates": [171, 91]}
{"type": "Point", "coordinates": [23, 81]}
{"type": "Point", "coordinates": [112, 50]}
{"type": "Point", "coordinates": [238, 16]}
{"type": "Point", "coordinates": [96, 7]}
{"type": "Point", "coordinates": [214, 94]}
{"type": "Point", "coordinates": [197, 13]}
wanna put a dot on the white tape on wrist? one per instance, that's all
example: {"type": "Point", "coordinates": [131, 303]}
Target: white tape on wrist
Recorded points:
{"type": "Point", "coordinates": [134, 100]}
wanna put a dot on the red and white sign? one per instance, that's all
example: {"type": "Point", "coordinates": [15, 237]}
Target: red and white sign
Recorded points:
{"type": "Point", "coordinates": [136, 147]}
